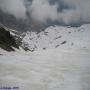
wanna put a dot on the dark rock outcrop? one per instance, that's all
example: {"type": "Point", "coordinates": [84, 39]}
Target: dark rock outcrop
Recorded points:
{"type": "Point", "coordinates": [7, 41]}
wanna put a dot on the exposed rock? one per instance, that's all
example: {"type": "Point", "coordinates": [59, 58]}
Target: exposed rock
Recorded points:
{"type": "Point", "coordinates": [7, 41]}
{"type": "Point", "coordinates": [64, 42]}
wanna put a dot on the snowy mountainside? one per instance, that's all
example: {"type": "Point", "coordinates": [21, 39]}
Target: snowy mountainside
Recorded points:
{"type": "Point", "coordinates": [58, 68]}
{"type": "Point", "coordinates": [53, 37]}
{"type": "Point", "coordinates": [11, 39]}
{"type": "Point", "coordinates": [58, 37]}
{"type": "Point", "coordinates": [7, 41]}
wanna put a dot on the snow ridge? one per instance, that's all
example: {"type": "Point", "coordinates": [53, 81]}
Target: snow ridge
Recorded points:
{"type": "Point", "coordinates": [58, 37]}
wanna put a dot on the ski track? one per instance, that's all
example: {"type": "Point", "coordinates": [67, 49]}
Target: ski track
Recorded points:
{"type": "Point", "coordinates": [46, 70]}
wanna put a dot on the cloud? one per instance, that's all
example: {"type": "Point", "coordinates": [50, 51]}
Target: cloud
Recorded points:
{"type": "Point", "coordinates": [63, 11]}
{"type": "Point", "coordinates": [14, 7]}
{"type": "Point", "coordinates": [41, 10]}
{"type": "Point", "coordinates": [82, 6]}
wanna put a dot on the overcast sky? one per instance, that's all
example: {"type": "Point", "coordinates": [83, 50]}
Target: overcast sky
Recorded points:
{"type": "Point", "coordinates": [63, 11]}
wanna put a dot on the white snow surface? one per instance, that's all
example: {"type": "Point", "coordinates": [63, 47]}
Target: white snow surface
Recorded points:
{"type": "Point", "coordinates": [66, 67]}
{"type": "Point", "coordinates": [53, 37]}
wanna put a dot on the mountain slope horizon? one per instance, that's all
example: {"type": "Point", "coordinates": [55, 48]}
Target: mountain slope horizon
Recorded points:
{"type": "Point", "coordinates": [28, 24]}
{"type": "Point", "coordinates": [53, 37]}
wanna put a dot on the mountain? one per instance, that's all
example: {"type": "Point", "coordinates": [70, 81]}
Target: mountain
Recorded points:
{"type": "Point", "coordinates": [11, 39]}
{"type": "Point", "coordinates": [50, 38]}
{"type": "Point", "coordinates": [58, 37]}
{"type": "Point", "coordinates": [7, 41]}
{"type": "Point", "coordinates": [60, 59]}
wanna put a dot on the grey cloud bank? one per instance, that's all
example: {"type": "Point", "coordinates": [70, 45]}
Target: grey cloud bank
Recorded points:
{"type": "Point", "coordinates": [63, 11]}
{"type": "Point", "coordinates": [14, 7]}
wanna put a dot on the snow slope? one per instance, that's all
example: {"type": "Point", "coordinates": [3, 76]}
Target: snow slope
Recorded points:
{"type": "Point", "coordinates": [59, 36]}
{"type": "Point", "coordinates": [65, 67]}
{"type": "Point", "coordinates": [46, 70]}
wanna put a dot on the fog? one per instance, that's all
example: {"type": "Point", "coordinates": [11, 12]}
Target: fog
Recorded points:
{"type": "Point", "coordinates": [62, 11]}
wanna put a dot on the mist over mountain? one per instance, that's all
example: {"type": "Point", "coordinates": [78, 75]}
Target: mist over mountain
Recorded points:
{"type": "Point", "coordinates": [44, 44]}
{"type": "Point", "coordinates": [18, 24]}
{"type": "Point", "coordinates": [36, 15]}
